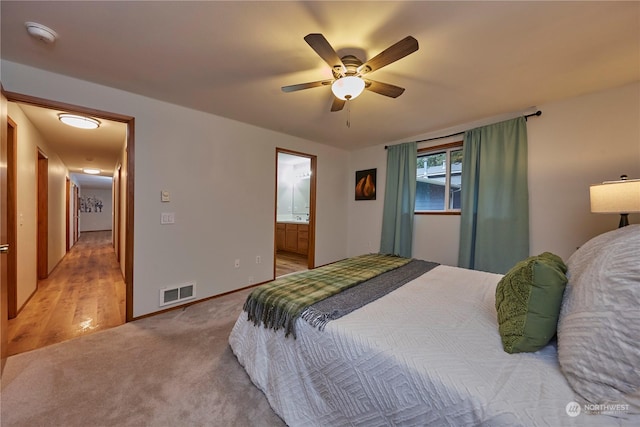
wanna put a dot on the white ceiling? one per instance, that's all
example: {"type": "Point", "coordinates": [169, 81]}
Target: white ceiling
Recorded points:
{"type": "Point", "coordinates": [80, 148]}
{"type": "Point", "coordinates": [476, 59]}
{"type": "Point", "coordinates": [92, 181]}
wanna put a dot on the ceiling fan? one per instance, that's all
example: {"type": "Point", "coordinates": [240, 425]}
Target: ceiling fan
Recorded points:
{"type": "Point", "coordinates": [348, 71]}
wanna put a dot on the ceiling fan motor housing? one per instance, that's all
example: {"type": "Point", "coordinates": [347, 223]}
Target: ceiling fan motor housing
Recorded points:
{"type": "Point", "coordinates": [351, 63]}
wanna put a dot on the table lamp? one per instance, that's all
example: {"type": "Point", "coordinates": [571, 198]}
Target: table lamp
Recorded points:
{"type": "Point", "coordinates": [621, 197]}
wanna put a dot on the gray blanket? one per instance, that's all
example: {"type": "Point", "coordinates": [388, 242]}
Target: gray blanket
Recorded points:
{"type": "Point", "coordinates": [336, 306]}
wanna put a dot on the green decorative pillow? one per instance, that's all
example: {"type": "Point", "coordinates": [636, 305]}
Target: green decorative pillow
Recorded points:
{"type": "Point", "coordinates": [528, 300]}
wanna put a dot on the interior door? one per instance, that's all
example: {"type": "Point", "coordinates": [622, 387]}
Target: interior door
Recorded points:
{"type": "Point", "coordinates": [43, 215]}
{"type": "Point", "coordinates": [67, 213]}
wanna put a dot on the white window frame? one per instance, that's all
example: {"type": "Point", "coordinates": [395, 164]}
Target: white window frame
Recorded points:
{"type": "Point", "coordinates": [447, 149]}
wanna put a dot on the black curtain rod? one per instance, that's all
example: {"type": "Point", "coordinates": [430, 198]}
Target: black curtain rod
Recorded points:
{"type": "Point", "coordinates": [537, 113]}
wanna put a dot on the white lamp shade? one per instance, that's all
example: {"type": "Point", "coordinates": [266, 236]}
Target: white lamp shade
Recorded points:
{"type": "Point", "coordinates": [616, 197]}
{"type": "Point", "coordinates": [347, 87]}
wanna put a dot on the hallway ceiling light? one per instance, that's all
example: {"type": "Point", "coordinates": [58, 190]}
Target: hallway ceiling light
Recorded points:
{"type": "Point", "coordinates": [91, 171]}
{"type": "Point", "coordinates": [79, 121]}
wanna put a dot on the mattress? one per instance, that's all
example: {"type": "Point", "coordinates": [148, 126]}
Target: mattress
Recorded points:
{"type": "Point", "coordinates": [428, 353]}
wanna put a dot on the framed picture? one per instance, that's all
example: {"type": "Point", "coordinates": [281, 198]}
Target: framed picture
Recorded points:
{"type": "Point", "coordinates": [366, 184]}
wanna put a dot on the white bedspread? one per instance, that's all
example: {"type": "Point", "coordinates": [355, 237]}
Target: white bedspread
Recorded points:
{"type": "Point", "coordinates": [428, 353]}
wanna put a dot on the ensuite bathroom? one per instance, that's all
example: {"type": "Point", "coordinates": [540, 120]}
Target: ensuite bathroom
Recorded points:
{"type": "Point", "coordinates": [293, 213]}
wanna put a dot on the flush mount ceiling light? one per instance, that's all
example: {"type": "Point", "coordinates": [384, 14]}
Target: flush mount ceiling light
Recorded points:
{"type": "Point", "coordinates": [79, 121]}
{"type": "Point", "coordinates": [347, 88]}
{"type": "Point", "coordinates": [91, 171]}
{"type": "Point", "coordinates": [40, 32]}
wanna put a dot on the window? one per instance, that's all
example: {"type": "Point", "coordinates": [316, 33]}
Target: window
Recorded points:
{"type": "Point", "coordinates": [439, 179]}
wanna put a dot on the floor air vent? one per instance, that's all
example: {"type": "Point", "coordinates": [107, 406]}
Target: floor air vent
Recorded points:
{"type": "Point", "coordinates": [178, 293]}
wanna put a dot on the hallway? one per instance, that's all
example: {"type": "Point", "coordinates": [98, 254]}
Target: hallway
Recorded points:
{"type": "Point", "coordinates": [85, 293]}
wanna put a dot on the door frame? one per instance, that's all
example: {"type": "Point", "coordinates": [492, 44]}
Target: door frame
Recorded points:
{"type": "Point", "coordinates": [4, 318]}
{"type": "Point", "coordinates": [311, 255]}
{"type": "Point", "coordinates": [12, 226]}
{"type": "Point", "coordinates": [130, 175]}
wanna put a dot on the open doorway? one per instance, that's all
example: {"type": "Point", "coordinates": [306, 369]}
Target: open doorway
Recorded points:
{"type": "Point", "coordinates": [123, 210]}
{"type": "Point", "coordinates": [295, 212]}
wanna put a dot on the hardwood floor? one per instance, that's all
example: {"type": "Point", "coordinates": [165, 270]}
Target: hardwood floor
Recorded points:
{"type": "Point", "coordinates": [85, 293]}
{"type": "Point", "coordinates": [289, 262]}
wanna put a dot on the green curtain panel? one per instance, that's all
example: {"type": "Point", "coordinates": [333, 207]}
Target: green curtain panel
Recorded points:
{"type": "Point", "coordinates": [494, 223]}
{"type": "Point", "coordinates": [399, 200]}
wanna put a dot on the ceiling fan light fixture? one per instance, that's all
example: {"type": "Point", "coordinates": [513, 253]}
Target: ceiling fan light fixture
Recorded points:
{"type": "Point", "coordinates": [79, 121]}
{"type": "Point", "coordinates": [347, 88]}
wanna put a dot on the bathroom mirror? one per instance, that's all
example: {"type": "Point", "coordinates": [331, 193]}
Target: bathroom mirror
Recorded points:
{"type": "Point", "coordinates": [294, 173]}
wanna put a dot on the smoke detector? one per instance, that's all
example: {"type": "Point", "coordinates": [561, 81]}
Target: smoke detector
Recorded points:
{"type": "Point", "coordinates": [41, 32]}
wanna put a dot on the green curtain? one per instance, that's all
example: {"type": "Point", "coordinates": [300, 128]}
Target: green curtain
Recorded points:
{"type": "Point", "coordinates": [399, 200]}
{"type": "Point", "coordinates": [494, 223]}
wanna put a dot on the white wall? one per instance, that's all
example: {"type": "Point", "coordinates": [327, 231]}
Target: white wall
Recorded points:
{"type": "Point", "coordinates": [221, 177]}
{"type": "Point", "coordinates": [57, 209]}
{"type": "Point", "coordinates": [365, 216]}
{"type": "Point", "coordinates": [575, 143]}
{"type": "Point", "coordinates": [29, 140]}
{"type": "Point", "coordinates": [96, 219]}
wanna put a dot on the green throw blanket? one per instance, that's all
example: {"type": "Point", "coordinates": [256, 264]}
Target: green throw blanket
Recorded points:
{"type": "Point", "coordinates": [279, 303]}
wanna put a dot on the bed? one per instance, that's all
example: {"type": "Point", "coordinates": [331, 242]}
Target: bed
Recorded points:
{"type": "Point", "coordinates": [430, 352]}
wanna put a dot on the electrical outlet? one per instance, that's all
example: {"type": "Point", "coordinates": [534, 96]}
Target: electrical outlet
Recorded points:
{"type": "Point", "coordinates": [237, 263]}
{"type": "Point", "coordinates": [258, 259]}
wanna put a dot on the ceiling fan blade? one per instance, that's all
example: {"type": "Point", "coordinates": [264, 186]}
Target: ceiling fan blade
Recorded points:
{"type": "Point", "coordinates": [293, 88]}
{"type": "Point", "coordinates": [338, 104]}
{"type": "Point", "coordinates": [391, 54]}
{"type": "Point", "coordinates": [326, 52]}
{"type": "Point", "coordinates": [383, 88]}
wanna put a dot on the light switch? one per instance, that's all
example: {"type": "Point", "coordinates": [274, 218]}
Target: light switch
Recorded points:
{"type": "Point", "coordinates": [165, 196]}
{"type": "Point", "coordinates": [167, 218]}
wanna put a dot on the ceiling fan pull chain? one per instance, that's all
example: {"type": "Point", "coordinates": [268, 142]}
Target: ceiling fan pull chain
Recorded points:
{"type": "Point", "coordinates": [348, 114]}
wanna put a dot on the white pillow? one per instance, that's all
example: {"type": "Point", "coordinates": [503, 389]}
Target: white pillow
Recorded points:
{"type": "Point", "coordinates": [599, 324]}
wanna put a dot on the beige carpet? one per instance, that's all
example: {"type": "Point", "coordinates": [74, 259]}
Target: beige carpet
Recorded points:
{"type": "Point", "coordinates": [173, 369]}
